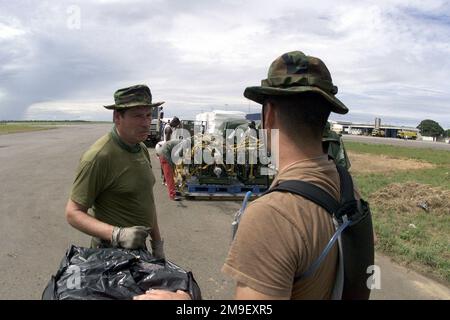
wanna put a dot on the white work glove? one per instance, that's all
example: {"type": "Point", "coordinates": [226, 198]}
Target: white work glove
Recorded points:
{"type": "Point", "coordinates": [130, 238]}
{"type": "Point", "coordinates": [158, 249]}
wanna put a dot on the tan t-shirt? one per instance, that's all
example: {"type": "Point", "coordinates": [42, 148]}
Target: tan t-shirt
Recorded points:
{"type": "Point", "coordinates": [281, 234]}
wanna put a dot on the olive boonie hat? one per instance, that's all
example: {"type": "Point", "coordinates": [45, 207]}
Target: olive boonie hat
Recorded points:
{"type": "Point", "coordinates": [134, 96]}
{"type": "Point", "coordinates": [294, 73]}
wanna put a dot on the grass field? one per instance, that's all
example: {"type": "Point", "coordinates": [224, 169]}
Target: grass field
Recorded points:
{"type": "Point", "coordinates": [406, 232]}
{"type": "Point", "coordinates": [25, 126]}
{"type": "Point", "coordinates": [439, 157]}
{"type": "Point", "coordinates": [19, 127]}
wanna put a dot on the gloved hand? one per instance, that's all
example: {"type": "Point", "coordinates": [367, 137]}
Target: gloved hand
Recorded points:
{"type": "Point", "coordinates": [130, 238]}
{"type": "Point", "coordinates": [158, 249]}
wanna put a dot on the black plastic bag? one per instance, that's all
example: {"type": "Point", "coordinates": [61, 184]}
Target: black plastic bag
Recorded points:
{"type": "Point", "coordinates": [113, 273]}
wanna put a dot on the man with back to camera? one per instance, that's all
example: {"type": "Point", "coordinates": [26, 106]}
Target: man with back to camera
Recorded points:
{"type": "Point", "coordinates": [115, 179]}
{"type": "Point", "coordinates": [170, 128]}
{"type": "Point", "coordinates": [168, 131]}
{"type": "Point", "coordinates": [282, 234]}
{"type": "Point", "coordinates": [164, 153]}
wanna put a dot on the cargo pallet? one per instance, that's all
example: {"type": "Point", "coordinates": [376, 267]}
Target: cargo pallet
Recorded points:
{"type": "Point", "coordinates": [222, 192]}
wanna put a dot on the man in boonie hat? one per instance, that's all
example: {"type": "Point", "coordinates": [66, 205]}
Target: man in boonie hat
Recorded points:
{"type": "Point", "coordinates": [281, 234]}
{"type": "Point", "coordinates": [115, 180]}
{"type": "Point", "coordinates": [294, 73]}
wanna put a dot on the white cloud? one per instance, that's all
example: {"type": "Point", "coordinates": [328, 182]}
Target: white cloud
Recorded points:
{"type": "Point", "coordinates": [62, 110]}
{"type": "Point", "coordinates": [9, 32]}
{"type": "Point", "coordinates": [389, 57]}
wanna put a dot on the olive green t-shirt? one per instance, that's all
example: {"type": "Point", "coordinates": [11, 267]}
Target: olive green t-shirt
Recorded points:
{"type": "Point", "coordinates": [116, 182]}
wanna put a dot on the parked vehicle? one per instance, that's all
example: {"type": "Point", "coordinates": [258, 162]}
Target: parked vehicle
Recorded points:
{"type": "Point", "coordinates": [156, 127]}
{"type": "Point", "coordinates": [404, 134]}
{"type": "Point", "coordinates": [378, 133]}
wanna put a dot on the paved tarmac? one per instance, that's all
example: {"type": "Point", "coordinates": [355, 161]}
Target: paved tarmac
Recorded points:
{"type": "Point", "coordinates": [36, 173]}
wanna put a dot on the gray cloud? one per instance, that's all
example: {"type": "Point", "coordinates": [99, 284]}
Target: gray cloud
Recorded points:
{"type": "Point", "coordinates": [389, 58]}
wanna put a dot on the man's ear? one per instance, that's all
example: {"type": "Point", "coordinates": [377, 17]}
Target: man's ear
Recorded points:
{"type": "Point", "coordinates": [116, 116]}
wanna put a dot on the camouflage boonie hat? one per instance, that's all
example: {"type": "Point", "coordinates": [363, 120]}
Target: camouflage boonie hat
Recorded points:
{"type": "Point", "coordinates": [294, 73]}
{"type": "Point", "coordinates": [134, 96]}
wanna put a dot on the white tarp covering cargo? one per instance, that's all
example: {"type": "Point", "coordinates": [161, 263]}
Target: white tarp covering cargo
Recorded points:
{"type": "Point", "coordinates": [217, 117]}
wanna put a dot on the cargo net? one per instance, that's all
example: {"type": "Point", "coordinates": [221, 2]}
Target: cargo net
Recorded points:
{"type": "Point", "coordinates": [230, 157]}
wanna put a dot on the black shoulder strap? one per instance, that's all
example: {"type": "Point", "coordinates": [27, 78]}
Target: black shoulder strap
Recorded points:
{"type": "Point", "coordinates": [320, 196]}
{"type": "Point", "coordinates": [348, 201]}
{"type": "Point", "coordinates": [310, 192]}
{"type": "Point", "coordinates": [347, 192]}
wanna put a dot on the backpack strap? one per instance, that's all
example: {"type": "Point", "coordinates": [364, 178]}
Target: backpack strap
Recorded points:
{"type": "Point", "coordinates": [310, 192]}
{"type": "Point", "coordinates": [348, 205]}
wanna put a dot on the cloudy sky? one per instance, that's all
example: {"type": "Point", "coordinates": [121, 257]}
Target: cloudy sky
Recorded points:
{"type": "Point", "coordinates": [65, 59]}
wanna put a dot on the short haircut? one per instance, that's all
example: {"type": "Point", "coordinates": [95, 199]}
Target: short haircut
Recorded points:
{"type": "Point", "coordinates": [175, 122]}
{"type": "Point", "coordinates": [305, 113]}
